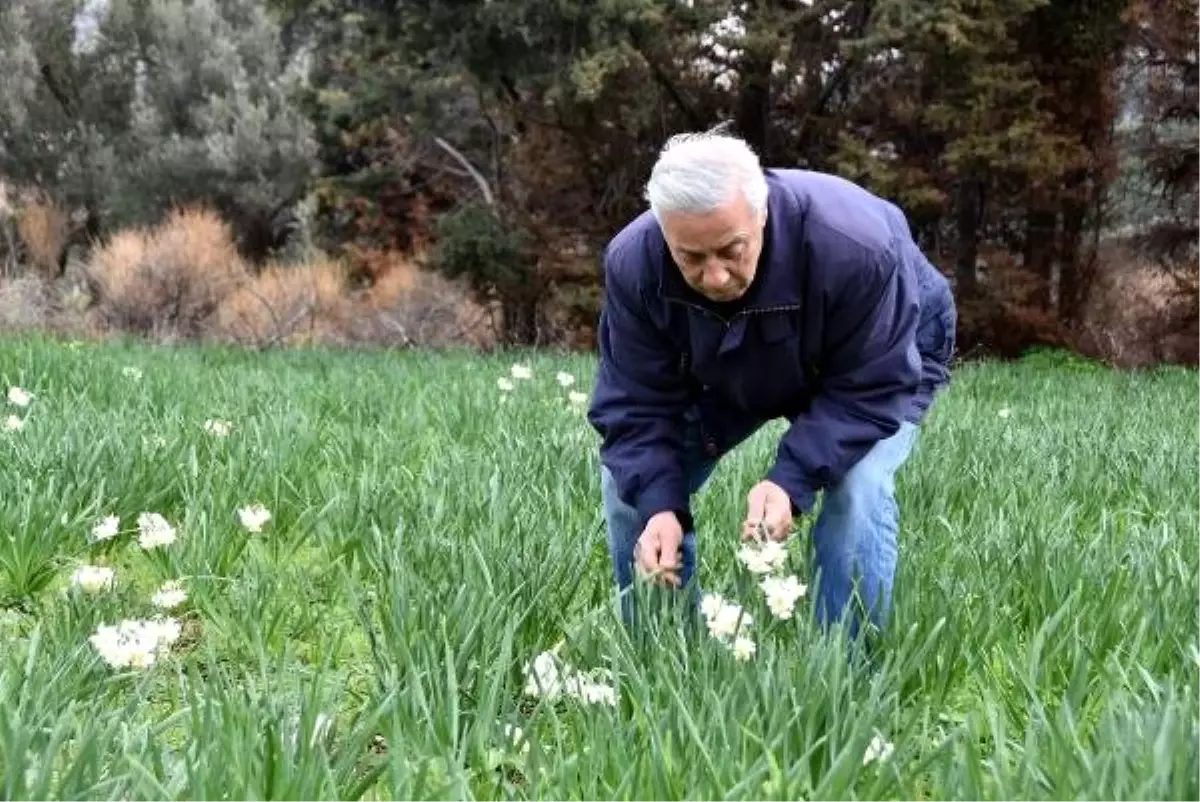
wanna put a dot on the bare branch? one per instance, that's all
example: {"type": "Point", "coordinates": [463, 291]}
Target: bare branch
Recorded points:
{"type": "Point", "coordinates": [470, 168]}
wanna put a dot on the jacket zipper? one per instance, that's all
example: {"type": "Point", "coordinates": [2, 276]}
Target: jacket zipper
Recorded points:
{"type": "Point", "coordinates": [811, 370]}
{"type": "Point", "coordinates": [727, 322]}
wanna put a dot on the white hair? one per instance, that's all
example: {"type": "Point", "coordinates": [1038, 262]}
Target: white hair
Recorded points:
{"type": "Point", "coordinates": [697, 172]}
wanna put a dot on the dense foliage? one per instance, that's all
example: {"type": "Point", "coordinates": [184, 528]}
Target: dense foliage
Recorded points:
{"type": "Point", "coordinates": [1025, 139]}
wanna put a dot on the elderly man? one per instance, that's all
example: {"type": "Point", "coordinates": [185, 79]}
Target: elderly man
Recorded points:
{"type": "Point", "coordinates": [744, 295]}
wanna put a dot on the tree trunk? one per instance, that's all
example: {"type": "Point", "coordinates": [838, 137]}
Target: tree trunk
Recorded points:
{"type": "Point", "coordinates": [1075, 275]}
{"type": "Point", "coordinates": [520, 321]}
{"type": "Point", "coordinates": [754, 103]}
{"type": "Point", "coordinates": [1039, 252]}
{"type": "Point", "coordinates": [970, 216]}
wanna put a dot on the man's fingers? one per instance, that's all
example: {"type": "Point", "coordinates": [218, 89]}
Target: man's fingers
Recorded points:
{"type": "Point", "coordinates": [778, 519]}
{"type": "Point", "coordinates": [658, 559]}
{"type": "Point", "coordinates": [668, 559]}
{"type": "Point", "coordinates": [756, 505]}
{"type": "Point", "coordinates": [647, 553]}
{"type": "Point", "coordinates": [654, 560]}
{"type": "Point", "coordinates": [668, 550]}
{"type": "Point", "coordinates": [756, 510]}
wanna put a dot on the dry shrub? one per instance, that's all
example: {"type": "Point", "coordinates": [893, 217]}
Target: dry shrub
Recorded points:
{"type": "Point", "coordinates": [31, 302]}
{"type": "Point", "coordinates": [26, 302]}
{"type": "Point", "coordinates": [167, 280]}
{"type": "Point", "coordinates": [287, 305]}
{"type": "Point", "coordinates": [43, 227]}
{"type": "Point", "coordinates": [1138, 314]}
{"type": "Point", "coordinates": [314, 304]}
{"type": "Point", "coordinates": [371, 266]}
{"type": "Point", "coordinates": [411, 306]}
{"type": "Point", "coordinates": [1005, 319]}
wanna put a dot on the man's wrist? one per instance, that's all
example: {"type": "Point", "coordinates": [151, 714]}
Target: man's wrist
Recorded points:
{"type": "Point", "coordinates": [682, 517]}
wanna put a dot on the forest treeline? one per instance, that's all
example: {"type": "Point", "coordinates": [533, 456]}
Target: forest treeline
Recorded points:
{"type": "Point", "coordinates": [1045, 153]}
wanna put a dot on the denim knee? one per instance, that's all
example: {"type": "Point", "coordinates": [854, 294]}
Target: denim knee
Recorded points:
{"type": "Point", "coordinates": [856, 533]}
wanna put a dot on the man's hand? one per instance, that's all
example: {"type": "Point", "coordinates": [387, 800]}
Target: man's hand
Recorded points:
{"type": "Point", "coordinates": [770, 506]}
{"type": "Point", "coordinates": [657, 552]}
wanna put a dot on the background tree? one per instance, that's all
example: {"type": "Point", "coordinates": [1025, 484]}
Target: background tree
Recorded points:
{"type": "Point", "coordinates": [502, 142]}
{"type": "Point", "coordinates": [125, 108]}
{"type": "Point", "coordinates": [1168, 54]}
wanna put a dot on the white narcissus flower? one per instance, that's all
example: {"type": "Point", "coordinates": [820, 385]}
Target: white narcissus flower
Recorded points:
{"type": "Point", "coordinates": [154, 531]}
{"type": "Point", "coordinates": [565, 379]}
{"type": "Point", "coordinates": [744, 648]}
{"type": "Point", "coordinates": [129, 371]}
{"type": "Point", "coordinates": [107, 528]}
{"type": "Point", "coordinates": [522, 372]}
{"type": "Point", "coordinates": [253, 517]}
{"type": "Point", "coordinates": [782, 594]}
{"type": "Point", "coordinates": [134, 643]}
{"type": "Point", "coordinates": [505, 385]}
{"type": "Point", "coordinates": [516, 737]}
{"type": "Point", "coordinates": [763, 559]}
{"type": "Point", "coordinates": [1004, 413]}
{"type": "Point", "coordinates": [727, 619]}
{"type": "Point", "coordinates": [879, 749]}
{"type": "Point", "coordinates": [169, 596]}
{"type": "Point", "coordinates": [217, 428]}
{"type": "Point", "coordinates": [93, 578]}
{"type": "Point", "coordinates": [711, 604]}
{"type": "Point", "coordinates": [19, 397]}
{"type": "Point", "coordinates": [14, 423]}
{"type": "Point", "coordinates": [598, 694]}
{"type": "Point", "coordinates": [577, 398]}
{"type": "Point", "coordinates": [544, 676]}
{"type": "Point", "coordinates": [548, 676]}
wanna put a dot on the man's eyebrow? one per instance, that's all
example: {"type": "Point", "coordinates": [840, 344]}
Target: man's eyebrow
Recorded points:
{"type": "Point", "coordinates": [736, 239]}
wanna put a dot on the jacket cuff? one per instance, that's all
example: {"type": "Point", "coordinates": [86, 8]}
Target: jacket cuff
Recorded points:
{"type": "Point", "coordinates": [667, 495]}
{"type": "Point", "coordinates": [799, 490]}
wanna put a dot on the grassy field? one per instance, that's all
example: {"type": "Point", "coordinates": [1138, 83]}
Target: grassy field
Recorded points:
{"type": "Point", "coordinates": [430, 535]}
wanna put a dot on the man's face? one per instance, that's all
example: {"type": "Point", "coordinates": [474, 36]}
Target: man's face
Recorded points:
{"type": "Point", "coordinates": [717, 252]}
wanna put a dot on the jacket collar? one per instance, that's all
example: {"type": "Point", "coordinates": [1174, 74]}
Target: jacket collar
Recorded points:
{"type": "Point", "coordinates": [776, 282]}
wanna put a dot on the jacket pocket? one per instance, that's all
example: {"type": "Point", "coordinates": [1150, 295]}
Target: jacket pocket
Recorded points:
{"type": "Point", "coordinates": [936, 336]}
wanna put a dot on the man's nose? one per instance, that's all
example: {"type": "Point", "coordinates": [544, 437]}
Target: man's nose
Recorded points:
{"type": "Point", "coordinates": [715, 276]}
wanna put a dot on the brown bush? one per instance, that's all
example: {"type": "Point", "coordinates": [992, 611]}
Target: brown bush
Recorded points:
{"type": "Point", "coordinates": [167, 280]}
{"type": "Point", "coordinates": [371, 266]}
{"type": "Point", "coordinates": [409, 306]}
{"type": "Point", "coordinates": [287, 305]}
{"type": "Point", "coordinates": [26, 302]}
{"type": "Point", "coordinates": [31, 302]}
{"type": "Point", "coordinates": [43, 228]}
{"type": "Point", "coordinates": [1139, 314]}
{"type": "Point", "coordinates": [1004, 319]}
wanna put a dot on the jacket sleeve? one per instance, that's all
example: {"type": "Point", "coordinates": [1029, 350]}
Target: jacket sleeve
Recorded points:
{"type": "Point", "coordinates": [639, 398]}
{"type": "Point", "coordinates": [870, 374]}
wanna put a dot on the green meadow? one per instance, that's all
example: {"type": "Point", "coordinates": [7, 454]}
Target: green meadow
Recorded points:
{"type": "Point", "coordinates": [429, 535]}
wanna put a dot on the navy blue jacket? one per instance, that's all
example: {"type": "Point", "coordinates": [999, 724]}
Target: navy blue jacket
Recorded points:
{"type": "Point", "coordinates": [846, 331]}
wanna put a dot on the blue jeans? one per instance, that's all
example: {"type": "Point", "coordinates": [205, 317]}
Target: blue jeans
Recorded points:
{"type": "Point", "coordinates": [855, 534]}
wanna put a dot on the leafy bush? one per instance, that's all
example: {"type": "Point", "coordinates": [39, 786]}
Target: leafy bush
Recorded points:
{"type": "Point", "coordinates": [494, 258]}
{"type": "Point", "coordinates": [126, 109]}
{"type": "Point", "coordinates": [475, 244]}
